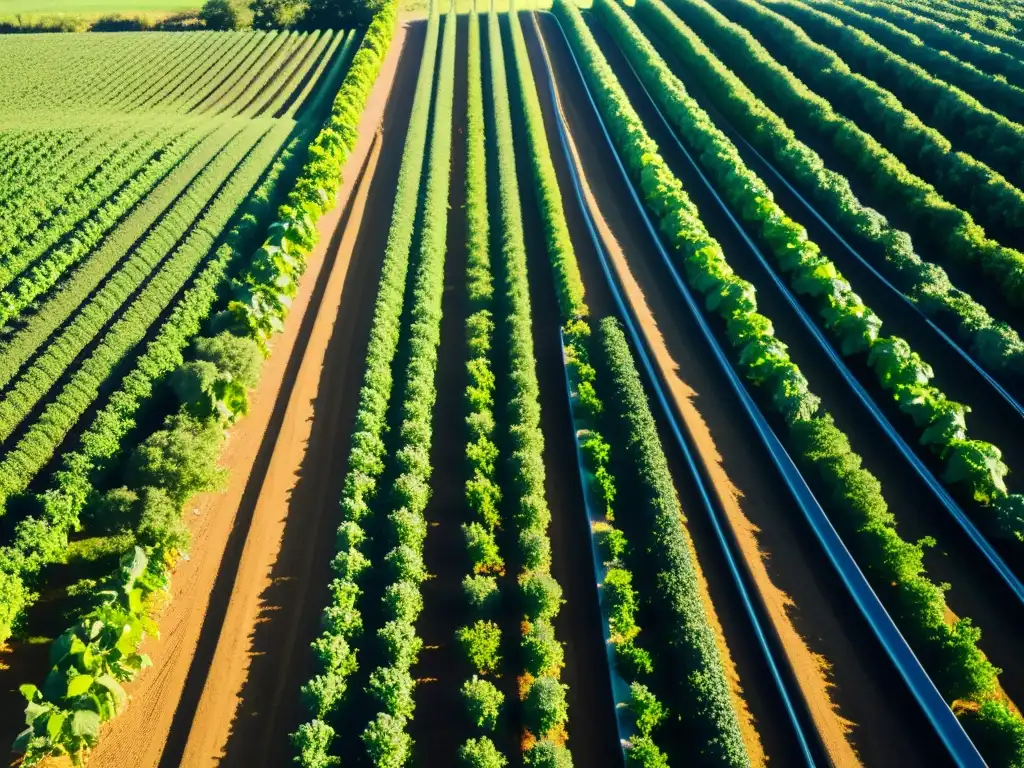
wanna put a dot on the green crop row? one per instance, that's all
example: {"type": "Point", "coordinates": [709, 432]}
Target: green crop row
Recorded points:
{"type": "Point", "coordinates": [544, 707]}
{"type": "Point", "coordinates": [995, 31]}
{"type": "Point", "coordinates": [994, 92]}
{"type": "Point", "coordinates": [145, 217]}
{"type": "Point", "coordinates": [56, 419]}
{"type": "Point", "coordinates": [849, 492]}
{"type": "Point", "coordinates": [856, 328]}
{"type": "Point", "coordinates": [342, 619]}
{"type": "Point", "coordinates": [955, 236]}
{"type": "Point", "coordinates": [42, 539]}
{"type": "Point", "coordinates": [986, 57]}
{"type": "Point", "coordinates": [480, 639]}
{"type": "Point", "coordinates": [391, 684]}
{"type": "Point", "coordinates": [619, 597]}
{"type": "Point", "coordinates": [993, 200]}
{"type": "Point", "coordinates": [100, 651]}
{"type": "Point", "coordinates": [89, 213]}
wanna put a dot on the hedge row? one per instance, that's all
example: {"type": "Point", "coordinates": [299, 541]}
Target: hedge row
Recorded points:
{"type": "Point", "coordinates": [544, 707]}
{"type": "Point", "coordinates": [994, 92]}
{"type": "Point", "coordinates": [101, 651]}
{"type": "Point", "coordinates": [956, 238]}
{"type": "Point", "coordinates": [986, 57]}
{"type": "Point", "coordinates": [480, 640]}
{"type": "Point", "coordinates": [392, 684]}
{"type": "Point", "coordinates": [973, 464]}
{"type": "Point", "coordinates": [850, 493]}
{"type": "Point", "coordinates": [995, 32]}
{"type": "Point", "coordinates": [969, 180]}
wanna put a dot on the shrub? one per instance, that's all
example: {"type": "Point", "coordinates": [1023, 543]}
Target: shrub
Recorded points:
{"type": "Point", "coordinates": [545, 707]}
{"type": "Point", "coordinates": [480, 753]}
{"type": "Point", "coordinates": [181, 459]}
{"type": "Point", "coordinates": [542, 653]}
{"type": "Point", "coordinates": [226, 14]}
{"type": "Point", "coordinates": [481, 592]}
{"type": "Point", "coordinates": [542, 595]}
{"type": "Point", "coordinates": [483, 702]}
{"type": "Point", "coordinates": [160, 526]}
{"type": "Point", "coordinates": [387, 743]}
{"type": "Point", "coordinates": [393, 687]}
{"type": "Point", "coordinates": [481, 643]}
{"type": "Point", "coordinates": [237, 355]}
{"type": "Point", "coordinates": [547, 754]}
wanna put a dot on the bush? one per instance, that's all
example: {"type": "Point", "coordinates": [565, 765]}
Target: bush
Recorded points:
{"type": "Point", "coordinates": [239, 356]}
{"type": "Point", "coordinates": [483, 702]}
{"type": "Point", "coordinates": [644, 753]}
{"type": "Point", "coordinates": [181, 459]}
{"type": "Point", "coordinates": [480, 753]}
{"type": "Point", "coordinates": [387, 743]}
{"type": "Point", "coordinates": [648, 711]}
{"type": "Point", "coordinates": [542, 653]}
{"type": "Point", "coordinates": [160, 525]}
{"type": "Point", "coordinates": [393, 688]}
{"type": "Point", "coordinates": [226, 14]}
{"type": "Point", "coordinates": [542, 595]}
{"type": "Point", "coordinates": [481, 592]}
{"type": "Point", "coordinates": [481, 643]}
{"type": "Point", "coordinates": [545, 707]}
{"type": "Point", "coordinates": [547, 754]}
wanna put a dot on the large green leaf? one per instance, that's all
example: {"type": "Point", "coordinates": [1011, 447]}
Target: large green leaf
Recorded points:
{"type": "Point", "coordinates": [79, 684]}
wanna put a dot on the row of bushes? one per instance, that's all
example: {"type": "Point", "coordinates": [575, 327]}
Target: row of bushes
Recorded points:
{"type": "Point", "coordinates": [89, 212]}
{"type": "Point", "coordinates": [342, 620]}
{"type": "Point", "coordinates": [994, 92]}
{"type": "Point", "coordinates": [952, 231]}
{"type": "Point", "coordinates": [994, 31]}
{"type": "Point", "coordinates": [480, 639]}
{"type": "Point", "coordinates": [391, 684]}
{"type": "Point", "coordinates": [973, 182]}
{"type": "Point", "coordinates": [974, 464]}
{"type": "Point", "coordinates": [996, 344]}
{"type": "Point", "coordinates": [620, 599]}
{"type": "Point", "coordinates": [101, 650]}
{"type": "Point", "coordinates": [849, 492]}
{"type": "Point", "coordinates": [544, 707]}
{"type": "Point", "coordinates": [964, 102]}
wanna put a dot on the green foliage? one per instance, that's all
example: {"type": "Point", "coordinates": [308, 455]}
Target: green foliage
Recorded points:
{"type": "Point", "coordinates": [311, 742]}
{"type": "Point", "coordinates": [542, 653]}
{"type": "Point", "coordinates": [181, 458]}
{"type": "Point", "coordinates": [393, 689]}
{"type": "Point", "coordinates": [483, 702]}
{"type": "Point", "coordinates": [480, 643]}
{"type": "Point", "coordinates": [226, 14]}
{"type": "Point", "coordinates": [647, 710]}
{"type": "Point", "coordinates": [547, 754]}
{"type": "Point", "coordinates": [545, 707]}
{"type": "Point", "coordinates": [541, 595]}
{"type": "Point", "coordinates": [994, 343]}
{"type": "Point", "coordinates": [235, 355]}
{"type": "Point", "coordinates": [480, 753]}
{"type": "Point", "coordinates": [387, 743]}
{"type": "Point", "coordinates": [481, 593]}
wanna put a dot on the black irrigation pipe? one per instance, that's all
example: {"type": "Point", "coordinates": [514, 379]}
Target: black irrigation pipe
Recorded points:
{"type": "Point", "coordinates": [941, 717]}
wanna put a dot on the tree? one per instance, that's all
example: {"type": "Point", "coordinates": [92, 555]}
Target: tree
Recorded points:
{"type": "Point", "coordinates": [340, 14]}
{"type": "Point", "coordinates": [547, 754]}
{"type": "Point", "coordinates": [387, 743]}
{"type": "Point", "coordinates": [241, 357]}
{"type": "Point", "coordinates": [278, 14]}
{"type": "Point", "coordinates": [181, 459]}
{"type": "Point", "coordinates": [481, 753]}
{"type": "Point", "coordinates": [545, 707]}
{"type": "Point", "coordinates": [480, 644]}
{"type": "Point", "coordinates": [226, 14]}
{"type": "Point", "coordinates": [483, 702]}
{"type": "Point", "coordinates": [160, 524]}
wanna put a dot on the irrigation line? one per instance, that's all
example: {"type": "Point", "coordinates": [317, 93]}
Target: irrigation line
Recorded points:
{"type": "Point", "coordinates": [1006, 575]}
{"type": "Point", "coordinates": [938, 713]}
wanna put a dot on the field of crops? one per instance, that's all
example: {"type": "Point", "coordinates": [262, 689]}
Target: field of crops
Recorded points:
{"type": "Point", "coordinates": [629, 385]}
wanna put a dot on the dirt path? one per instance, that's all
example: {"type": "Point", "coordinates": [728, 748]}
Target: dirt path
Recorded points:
{"type": "Point", "coordinates": [439, 727]}
{"type": "Point", "coordinates": [844, 683]}
{"type": "Point", "coordinates": [593, 734]}
{"type": "Point", "coordinates": [224, 685]}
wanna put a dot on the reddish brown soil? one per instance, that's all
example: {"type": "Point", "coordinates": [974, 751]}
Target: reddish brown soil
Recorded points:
{"type": "Point", "coordinates": [231, 657]}
{"type": "Point", "coordinates": [845, 685]}
{"type": "Point", "coordinates": [440, 725]}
